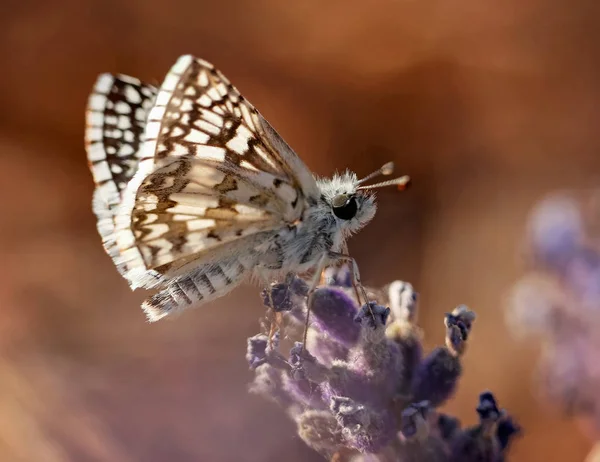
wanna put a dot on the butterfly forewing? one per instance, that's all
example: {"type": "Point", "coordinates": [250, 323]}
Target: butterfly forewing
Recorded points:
{"type": "Point", "coordinates": [115, 120]}
{"type": "Point", "coordinates": [213, 172]}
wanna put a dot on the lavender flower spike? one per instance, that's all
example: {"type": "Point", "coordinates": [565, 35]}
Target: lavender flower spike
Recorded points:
{"type": "Point", "coordinates": [363, 392]}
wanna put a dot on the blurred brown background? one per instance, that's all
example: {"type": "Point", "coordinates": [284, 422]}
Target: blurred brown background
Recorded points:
{"type": "Point", "coordinates": [486, 104]}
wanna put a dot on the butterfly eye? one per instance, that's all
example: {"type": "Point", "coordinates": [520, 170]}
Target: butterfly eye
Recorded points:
{"type": "Point", "coordinates": [344, 206]}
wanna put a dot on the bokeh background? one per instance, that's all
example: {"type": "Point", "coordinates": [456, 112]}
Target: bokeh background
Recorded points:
{"type": "Point", "coordinates": [487, 105]}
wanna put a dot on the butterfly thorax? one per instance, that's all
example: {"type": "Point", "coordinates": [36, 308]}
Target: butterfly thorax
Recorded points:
{"type": "Point", "coordinates": [327, 221]}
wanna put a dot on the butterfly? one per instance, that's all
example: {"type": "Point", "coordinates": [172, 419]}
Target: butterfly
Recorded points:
{"type": "Point", "coordinates": [196, 192]}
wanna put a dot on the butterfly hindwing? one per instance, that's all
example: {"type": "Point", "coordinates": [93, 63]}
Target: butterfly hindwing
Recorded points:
{"type": "Point", "coordinates": [115, 121]}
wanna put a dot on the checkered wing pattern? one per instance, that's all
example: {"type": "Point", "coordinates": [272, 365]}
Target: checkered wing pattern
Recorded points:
{"type": "Point", "coordinates": [213, 175]}
{"type": "Point", "coordinates": [115, 121]}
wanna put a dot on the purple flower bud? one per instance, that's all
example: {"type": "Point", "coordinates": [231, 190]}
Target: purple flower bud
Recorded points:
{"type": "Point", "coordinates": [403, 301]}
{"type": "Point", "coordinates": [473, 445]}
{"type": "Point", "coordinates": [320, 431]}
{"type": "Point", "coordinates": [487, 408]}
{"type": "Point", "coordinates": [447, 426]}
{"type": "Point", "coordinates": [507, 430]}
{"type": "Point", "coordinates": [269, 384]}
{"type": "Point", "coordinates": [340, 277]}
{"type": "Point", "coordinates": [372, 315]}
{"type": "Point", "coordinates": [485, 442]}
{"type": "Point", "coordinates": [286, 295]}
{"type": "Point", "coordinates": [418, 443]}
{"type": "Point", "coordinates": [256, 351]}
{"type": "Point", "coordinates": [305, 365]}
{"type": "Point", "coordinates": [437, 377]}
{"type": "Point", "coordinates": [363, 429]}
{"type": "Point", "coordinates": [458, 326]}
{"type": "Point", "coordinates": [333, 313]}
{"type": "Point", "coordinates": [413, 423]}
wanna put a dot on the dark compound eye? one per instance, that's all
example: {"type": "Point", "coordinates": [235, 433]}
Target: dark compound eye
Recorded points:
{"type": "Point", "coordinates": [344, 206]}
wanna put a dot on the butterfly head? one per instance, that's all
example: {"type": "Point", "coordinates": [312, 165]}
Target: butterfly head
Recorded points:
{"type": "Point", "coordinates": [351, 202]}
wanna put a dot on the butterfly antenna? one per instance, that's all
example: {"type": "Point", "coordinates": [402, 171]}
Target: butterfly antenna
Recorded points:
{"type": "Point", "coordinates": [385, 169]}
{"type": "Point", "coordinates": [401, 182]}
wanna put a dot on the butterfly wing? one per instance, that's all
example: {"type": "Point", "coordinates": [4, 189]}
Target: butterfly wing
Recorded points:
{"type": "Point", "coordinates": [212, 174]}
{"type": "Point", "coordinates": [115, 120]}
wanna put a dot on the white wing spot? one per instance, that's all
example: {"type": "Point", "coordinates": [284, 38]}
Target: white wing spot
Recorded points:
{"type": "Point", "coordinates": [104, 83]}
{"type": "Point", "coordinates": [96, 152]}
{"type": "Point", "coordinates": [192, 204]}
{"type": "Point", "coordinates": [95, 119]}
{"type": "Point", "coordinates": [94, 134]}
{"type": "Point", "coordinates": [152, 129]}
{"type": "Point", "coordinates": [248, 165]}
{"type": "Point", "coordinates": [122, 107]}
{"type": "Point", "coordinates": [205, 101]}
{"type": "Point", "coordinates": [213, 118]}
{"type": "Point", "coordinates": [203, 79]}
{"type": "Point", "coordinates": [239, 143]}
{"type": "Point", "coordinates": [163, 98]}
{"type": "Point", "coordinates": [98, 102]}
{"type": "Point", "coordinates": [132, 95]}
{"type": "Point", "coordinates": [124, 122]}
{"type": "Point", "coordinates": [205, 126]}
{"type": "Point", "coordinates": [222, 89]}
{"type": "Point", "coordinates": [126, 150]}
{"type": "Point", "coordinates": [177, 131]}
{"type": "Point", "coordinates": [170, 82]}
{"type": "Point", "coordinates": [157, 112]}
{"type": "Point", "coordinates": [116, 133]}
{"type": "Point", "coordinates": [213, 94]}
{"type": "Point", "coordinates": [101, 172]}
{"type": "Point", "coordinates": [186, 105]}
{"type": "Point", "coordinates": [196, 136]}
{"type": "Point", "coordinates": [155, 231]}
{"type": "Point", "coordinates": [195, 225]}
{"type": "Point", "coordinates": [211, 152]}
{"type": "Point", "coordinates": [182, 64]}
{"type": "Point", "coordinates": [180, 150]}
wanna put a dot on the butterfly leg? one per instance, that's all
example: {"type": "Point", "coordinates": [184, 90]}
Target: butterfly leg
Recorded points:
{"type": "Point", "coordinates": [356, 284]}
{"type": "Point", "coordinates": [276, 318]}
{"type": "Point", "coordinates": [355, 274]}
{"type": "Point", "coordinates": [311, 289]}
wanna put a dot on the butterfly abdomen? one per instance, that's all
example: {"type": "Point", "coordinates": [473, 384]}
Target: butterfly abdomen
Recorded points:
{"type": "Point", "coordinates": [201, 285]}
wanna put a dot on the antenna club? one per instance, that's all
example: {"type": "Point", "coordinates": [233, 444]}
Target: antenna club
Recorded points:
{"type": "Point", "coordinates": [407, 184]}
{"type": "Point", "coordinates": [387, 169]}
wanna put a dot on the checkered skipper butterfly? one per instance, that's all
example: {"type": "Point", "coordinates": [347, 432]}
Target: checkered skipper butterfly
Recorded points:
{"type": "Point", "coordinates": [195, 191]}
